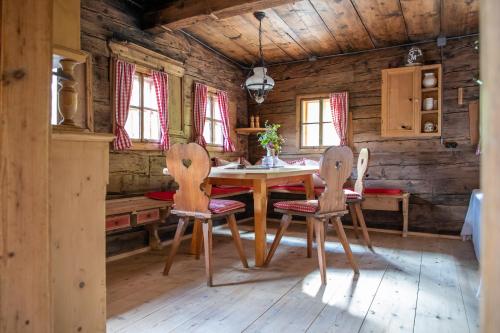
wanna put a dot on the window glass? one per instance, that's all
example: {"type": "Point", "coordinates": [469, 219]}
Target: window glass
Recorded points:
{"type": "Point", "coordinates": [207, 131]}
{"type": "Point", "coordinates": [330, 137]}
{"type": "Point", "coordinates": [217, 114]}
{"type": "Point", "coordinates": [133, 125]}
{"type": "Point", "coordinates": [135, 99]}
{"type": "Point", "coordinates": [327, 113]}
{"type": "Point", "coordinates": [151, 125]}
{"type": "Point", "coordinates": [310, 111]}
{"type": "Point", "coordinates": [218, 138]}
{"type": "Point", "coordinates": [150, 101]}
{"type": "Point", "coordinates": [310, 135]}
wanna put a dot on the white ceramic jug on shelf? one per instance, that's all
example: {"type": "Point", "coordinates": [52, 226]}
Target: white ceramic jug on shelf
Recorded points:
{"type": "Point", "coordinates": [429, 80]}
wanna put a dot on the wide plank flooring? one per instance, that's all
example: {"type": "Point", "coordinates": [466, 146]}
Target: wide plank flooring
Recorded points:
{"type": "Point", "coordinates": [413, 284]}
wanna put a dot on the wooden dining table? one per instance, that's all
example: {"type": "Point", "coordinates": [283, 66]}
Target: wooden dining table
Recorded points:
{"type": "Point", "coordinates": [260, 179]}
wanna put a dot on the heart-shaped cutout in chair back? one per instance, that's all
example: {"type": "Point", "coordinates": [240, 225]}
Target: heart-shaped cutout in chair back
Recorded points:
{"type": "Point", "coordinates": [186, 162]}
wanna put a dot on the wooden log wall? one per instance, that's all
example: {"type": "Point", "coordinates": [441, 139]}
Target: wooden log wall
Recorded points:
{"type": "Point", "coordinates": [139, 171]}
{"type": "Point", "coordinates": [440, 179]}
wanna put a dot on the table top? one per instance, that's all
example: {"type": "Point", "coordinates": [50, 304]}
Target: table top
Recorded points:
{"type": "Point", "coordinates": [285, 171]}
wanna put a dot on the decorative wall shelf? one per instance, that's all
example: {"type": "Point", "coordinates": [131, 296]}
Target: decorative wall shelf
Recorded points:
{"type": "Point", "coordinates": [249, 130]}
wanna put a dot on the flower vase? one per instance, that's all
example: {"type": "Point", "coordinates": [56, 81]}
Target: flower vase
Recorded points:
{"type": "Point", "coordinates": [270, 160]}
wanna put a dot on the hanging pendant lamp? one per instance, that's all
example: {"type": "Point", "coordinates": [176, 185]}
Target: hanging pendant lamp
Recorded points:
{"type": "Point", "coordinates": [259, 84]}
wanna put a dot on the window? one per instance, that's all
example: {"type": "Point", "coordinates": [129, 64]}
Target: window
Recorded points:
{"type": "Point", "coordinates": [213, 122]}
{"type": "Point", "coordinates": [143, 122]}
{"type": "Point", "coordinates": [316, 128]}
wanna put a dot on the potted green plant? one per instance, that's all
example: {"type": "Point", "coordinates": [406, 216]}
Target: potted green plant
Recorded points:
{"type": "Point", "coordinates": [272, 142]}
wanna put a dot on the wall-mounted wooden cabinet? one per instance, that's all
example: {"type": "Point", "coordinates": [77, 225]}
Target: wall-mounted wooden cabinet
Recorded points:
{"type": "Point", "coordinates": [411, 108]}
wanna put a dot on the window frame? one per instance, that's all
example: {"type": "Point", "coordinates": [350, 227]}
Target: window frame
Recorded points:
{"type": "Point", "coordinates": [146, 61]}
{"type": "Point", "coordinates": [298, 105]}
{"type": "Point", "coordinates": [212, 96]}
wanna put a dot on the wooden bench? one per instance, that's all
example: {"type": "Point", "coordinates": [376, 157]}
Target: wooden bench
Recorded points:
{"type": "Point", "coordinates": [126, 213]}
{"type": "Point", "coordinates": [388, 202]}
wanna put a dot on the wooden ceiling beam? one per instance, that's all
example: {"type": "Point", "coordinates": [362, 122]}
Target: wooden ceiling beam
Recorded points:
{"type": "Point", "coordinates": [185, 13]}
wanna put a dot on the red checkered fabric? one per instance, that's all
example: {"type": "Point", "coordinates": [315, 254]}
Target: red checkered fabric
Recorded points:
{"type": "Point", "coordinates": [338, 107]}
{"type": "Point", "coordinates": [124, 73]}
{"type": "Point", "coordinates": [300, 161]}
{"type": "Point", "coordinates": [160, 80]}
{"type": "Point", "coordinates": [302, 206]}
{"type": "Point", "coordinates": [219, 206]}
{"type": "Point", "coordinates": [200, 112]}
{"type": "Point", "coordinates": [227, 145]}
{"type": "Point", "coordinates": [351, 195]}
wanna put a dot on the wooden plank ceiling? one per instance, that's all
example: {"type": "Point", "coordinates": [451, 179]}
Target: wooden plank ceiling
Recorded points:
{"type": "Point", "coordinates": [298, 30]}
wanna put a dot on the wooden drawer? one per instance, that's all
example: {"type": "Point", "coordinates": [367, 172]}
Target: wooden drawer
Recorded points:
{"type": "Point", "coordinates": [150, 215]}
{"type": "Point", "coordinates": [117, 222]}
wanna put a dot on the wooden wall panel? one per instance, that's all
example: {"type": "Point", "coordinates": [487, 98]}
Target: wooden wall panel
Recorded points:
{"type": "Point", "coordinates": [138, 171]}
{"type": "Point", "coordinates": [439, 178]}
{"type": "Point", "coordinates": [25, 63]}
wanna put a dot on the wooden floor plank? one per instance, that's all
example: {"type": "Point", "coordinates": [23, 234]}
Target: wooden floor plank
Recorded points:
{"type": "Point", "coordinates": [440, 307]}
{"type": "Point", "coordinates": [287, 295]}
{"type": "Point", "coordinates": [347, 312]}
{"type": "Point", "coordinates": [393, 307]}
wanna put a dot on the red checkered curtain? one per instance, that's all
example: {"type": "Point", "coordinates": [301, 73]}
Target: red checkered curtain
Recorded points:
{"type": "Point", "coordinates": [339, 104]}
{"type": "Point", "coordinates": [160, 80]}
{"type": "Point", "coordinates": [200, 112]}
{"type": "Point", "coordinates": [227, 145]}
{"type": "Point", "coordinates": [124, 74]}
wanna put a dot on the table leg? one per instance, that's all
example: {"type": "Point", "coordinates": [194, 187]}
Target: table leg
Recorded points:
{"type": "Point", "coordinates": [260, 220]}
{"type": "Point", "coordinates": [310, 195]}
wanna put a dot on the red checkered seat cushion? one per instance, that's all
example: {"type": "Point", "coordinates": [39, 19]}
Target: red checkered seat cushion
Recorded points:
{"type": "Point", "coordinates": [302, 206]}
{"type": "Point", "coordinates": [351, 195]}
{"type": "Point", "coordinates": [220, 206]}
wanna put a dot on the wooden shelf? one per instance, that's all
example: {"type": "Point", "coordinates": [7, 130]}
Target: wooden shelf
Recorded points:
{"type": "Point", "coordinates": [428, 111]}
{"type": "Point", "coordinates": [249, 130]}
{"type": "Point", "coordinates": [430, 89]}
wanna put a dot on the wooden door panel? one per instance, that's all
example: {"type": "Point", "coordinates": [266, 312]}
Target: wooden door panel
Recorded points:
{"type": "Point", "coordinates": [400, 90]}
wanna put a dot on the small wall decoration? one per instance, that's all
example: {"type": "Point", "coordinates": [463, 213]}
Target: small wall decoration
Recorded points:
{"type": "Point", "coordinates": [415, 57]}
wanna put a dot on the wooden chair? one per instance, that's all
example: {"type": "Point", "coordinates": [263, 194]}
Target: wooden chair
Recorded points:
{"type": "Point", "coordinates": [335, 168]}
{"type": "Point", "coordinates": [189, 164]}
{"type": "Point", "coordinates": [354, 198]}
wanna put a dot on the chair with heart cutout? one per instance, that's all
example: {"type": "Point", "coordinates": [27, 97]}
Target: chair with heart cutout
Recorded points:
{"type": "Point", "coordinates": [189, 164]}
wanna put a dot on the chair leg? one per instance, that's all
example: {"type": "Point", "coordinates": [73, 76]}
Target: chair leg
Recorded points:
{"type": "Point", "coordinates": [354, 219]}
{"type": "Point", "coordinates": [310, 236]}
{"type": "Point", "coordinates": [207, 238]}
{"type": "Point", "coordinates": [197, 240]}
{"type": "Point", "coordinates": [231, 221]}
{"type": "Point", "coordinates": [181, 228]}
{"type": "Point", "coordinates": [285, 222]}
{"type": "Point", "coordinates": [362, 223]}
{"type": "Point", "coordinates": [345, 244]}
{"type": "Point", "coordinates": [319, 229]}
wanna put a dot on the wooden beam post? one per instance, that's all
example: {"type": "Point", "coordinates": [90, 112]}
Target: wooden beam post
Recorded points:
{"type": "Point", "coordinates": [490, 163]}
{"type": "Point", "coordinates": [184, 13]}
{"type": "Point", "coordinates": [25, 66]}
